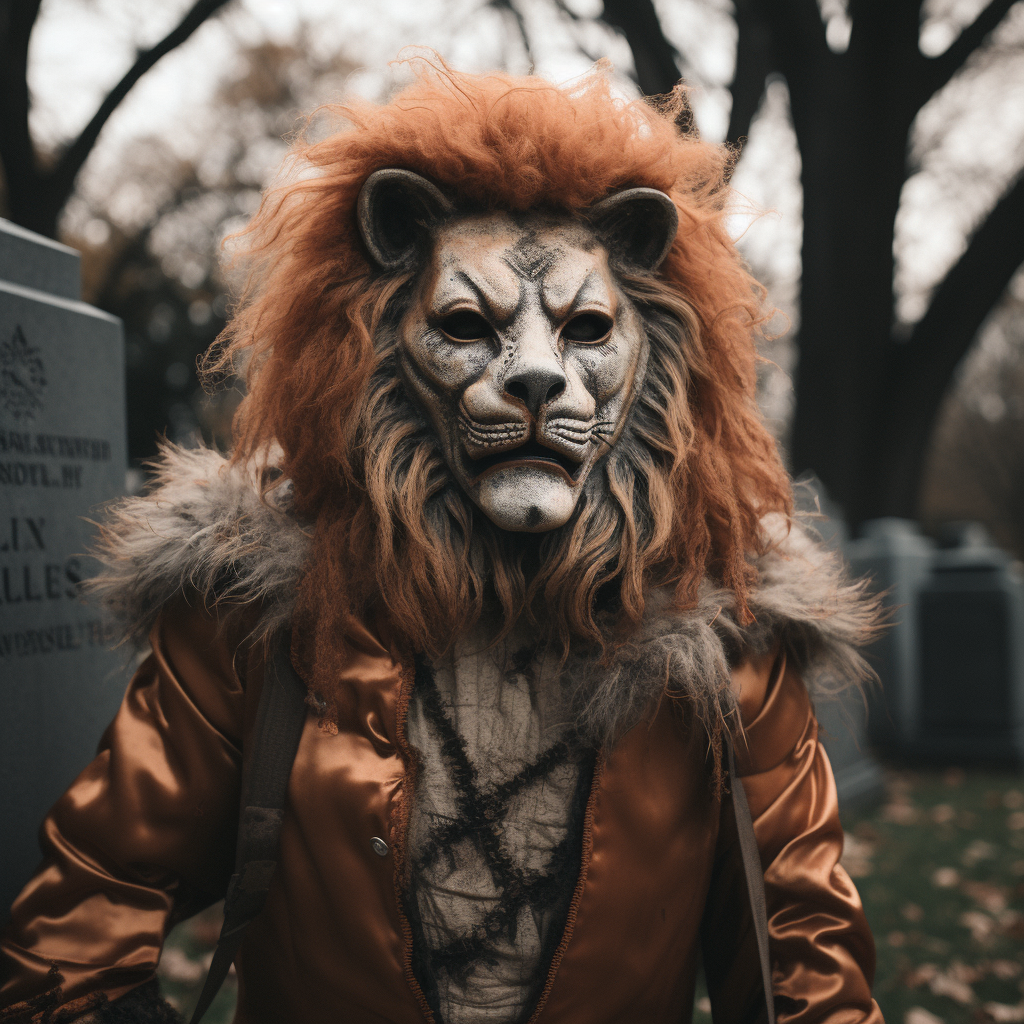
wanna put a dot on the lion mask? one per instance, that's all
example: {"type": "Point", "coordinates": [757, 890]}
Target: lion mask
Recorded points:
{"type": "Point", "coordinates": [518, 343]}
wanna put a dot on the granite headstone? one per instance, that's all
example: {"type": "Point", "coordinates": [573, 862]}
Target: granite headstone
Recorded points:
{"type": "Point", "coordinates": [842, 716]}
{"type": "Point", "coordinates": [970, 614]}
{"type": "Point", "coordinates": [897, 558]}
{"type": "Point", "coordinates": [62, 453]}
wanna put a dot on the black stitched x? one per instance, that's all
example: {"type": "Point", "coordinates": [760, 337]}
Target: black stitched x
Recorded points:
{"type": "Point", "coordinates": [480, 815]}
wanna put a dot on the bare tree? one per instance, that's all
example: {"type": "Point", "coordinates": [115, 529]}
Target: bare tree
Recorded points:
{"type": "Point", "coordinates": [37, 187]}
{"type": "Point", "coordinates": [866, 397]}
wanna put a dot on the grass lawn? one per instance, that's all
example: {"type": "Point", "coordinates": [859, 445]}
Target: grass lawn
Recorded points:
{"type": "Point", "coordinates": [940, 867]}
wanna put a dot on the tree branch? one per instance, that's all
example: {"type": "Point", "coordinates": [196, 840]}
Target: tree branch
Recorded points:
{"type": "Point", "coordinates": [937, 71]}
{"type": "Point", "coordinates": [16, 151]}
{"type": "Point", "coordinates": [754, 62]}
{"type": "Point", "coordinates": [63, 177]}
{"type": "Point", "coordinates": [517, 16]}
{"type": "Point", "coordinates": [653, 55]}
{"type": "Point", "coordinates": [924, 365]}
{"type": "Point", "coordinates": [801, 54]}
{"type": "Point", "coordinates": [972, 287]}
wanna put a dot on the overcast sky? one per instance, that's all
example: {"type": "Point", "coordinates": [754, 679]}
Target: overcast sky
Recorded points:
{"type": "Point", "coordinates": [968, 142]}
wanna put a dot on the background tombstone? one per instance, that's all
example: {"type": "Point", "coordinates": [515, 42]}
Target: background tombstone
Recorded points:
{"type": "Point", "coordinates": [62, 452]}
{"type": "Point", "coordinates": [970, 614]}
{"type": "Point", "coordinates": [842, 717]}
{"type": "Point", "coordinates": [897, 558]}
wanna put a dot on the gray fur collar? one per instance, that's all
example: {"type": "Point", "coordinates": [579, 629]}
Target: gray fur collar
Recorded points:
{"type": "Point", "coordinates": [205, 526]}
{"type": "Point", "coordinates": [804, 601]}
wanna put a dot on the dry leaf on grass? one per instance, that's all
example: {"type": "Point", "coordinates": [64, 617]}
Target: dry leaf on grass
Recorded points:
{"type": "Point", "coordinates": [912, 912]}
{"type": "Point", "coordinates": [1005, 970]}
{"type": "Point", "coordinates": [1002, 1013]}
{"type": "Point", "coordinates": [857, 855]}
{"type": "Point", "coordinates": [977, 851]}
{"type": "Point", "coordinates": [900, 812]}
{"type": "Point", "coordinates": [981, 925]}
{"type": "Point", "coordinates": [991, 897]}
{"type": "Point", "coordinates": [176, 966]}
{"type": "Point", "coordinates": [921, 975]}
{"type": "Point", "coordinates": [947, 985]}
{"type": "Point", "coordinates": [919, 1015]}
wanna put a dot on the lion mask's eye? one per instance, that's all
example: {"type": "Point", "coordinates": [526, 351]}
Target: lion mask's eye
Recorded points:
{"type": "Point", "coordinates": [587, 328]}
{"type": "Point", "coordinates": [465, 325]}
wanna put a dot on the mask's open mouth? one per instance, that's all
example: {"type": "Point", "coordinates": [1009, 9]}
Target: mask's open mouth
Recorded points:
{"type": "Point", "coordinates": [530, 452]}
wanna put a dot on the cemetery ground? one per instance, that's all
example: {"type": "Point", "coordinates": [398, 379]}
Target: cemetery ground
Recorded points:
{"type": "Point", "coordinates": [939, 865]}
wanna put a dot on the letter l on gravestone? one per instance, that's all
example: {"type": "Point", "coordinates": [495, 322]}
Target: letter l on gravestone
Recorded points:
{"type": "Point", "coordinates": [62, 452]}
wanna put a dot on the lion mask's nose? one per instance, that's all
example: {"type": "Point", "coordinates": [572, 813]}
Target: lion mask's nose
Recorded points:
{"type": "Point", "coordinates": [535, 385]}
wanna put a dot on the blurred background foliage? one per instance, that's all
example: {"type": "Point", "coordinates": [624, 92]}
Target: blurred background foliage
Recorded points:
{"type": "Point", "coordinates": [879, 193]}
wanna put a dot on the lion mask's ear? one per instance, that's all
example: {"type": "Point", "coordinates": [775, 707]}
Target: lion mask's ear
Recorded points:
{"type": "Point", "coordinates": [638, 225]}
{"type": "Point", "coordinates": [394, 210]}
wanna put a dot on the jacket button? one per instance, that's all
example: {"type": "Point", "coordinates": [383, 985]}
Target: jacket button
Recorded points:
{"type": "Point", "coordinates": [379, 846]}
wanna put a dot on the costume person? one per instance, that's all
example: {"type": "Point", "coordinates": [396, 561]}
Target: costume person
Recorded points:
{"type": "Point", "coordinates": [501, 488]}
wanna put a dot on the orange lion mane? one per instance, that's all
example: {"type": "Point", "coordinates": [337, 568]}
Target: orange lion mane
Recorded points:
{"type": "Point", "coordinates": [680, 498]}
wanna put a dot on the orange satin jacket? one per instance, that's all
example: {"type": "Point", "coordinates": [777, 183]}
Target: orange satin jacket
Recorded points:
{"type": "Point", "coordinates": [146, 835]}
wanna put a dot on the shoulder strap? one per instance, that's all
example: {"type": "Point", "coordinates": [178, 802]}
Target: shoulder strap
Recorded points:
{"type": "Point", "coordinates": [755, 877]}
{"type": "Point", "coordinates": [279, 721]}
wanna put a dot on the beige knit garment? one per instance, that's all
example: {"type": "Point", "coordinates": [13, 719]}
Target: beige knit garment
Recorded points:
{"type": "Point", "coordinates": [503, 704]}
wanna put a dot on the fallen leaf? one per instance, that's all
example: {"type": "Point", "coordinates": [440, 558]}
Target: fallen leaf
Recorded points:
{"type": "Point", "coordinates": [946, 878]}
{"type": "Point", "coordinates": [1005, 970]}
{"type": "Point", "coordinates": [919, 1015]}
{"type": "Point", "coordinates": [176, 966]}
{"type": "Point", "coordinates": [921, 975]}
{"type": "Point", "coordinates": [1011, 924]}
{"type": "Point", "coordinates": [981, 925]}
{"type": "Point", "coordinates": [912, 912]}
{"type": "Point", "coordinates": [977, 851]}
{"type": "Point", "coordinates": [991, 897]}
{"type": "Point", "coordinates": [856, 856]}
{"type": "Point", "coordinates": [959, 971]}
{"type": "Point", "coordinates": [946, 985]}
{"type": "Point", "coordinates": [900, 813]}
{"type": "Point", "coordinates": [1001, 1013]}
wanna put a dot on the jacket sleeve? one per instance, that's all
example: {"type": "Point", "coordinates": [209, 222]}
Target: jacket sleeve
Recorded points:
{"type": "Point", "coordinates": [821, 949]}
{"type": "Point", "coordinates": [144, 837]}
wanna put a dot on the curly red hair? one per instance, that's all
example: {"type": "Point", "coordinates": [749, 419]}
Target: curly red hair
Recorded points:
{"type": "Point", "coordinates": [309, 315]}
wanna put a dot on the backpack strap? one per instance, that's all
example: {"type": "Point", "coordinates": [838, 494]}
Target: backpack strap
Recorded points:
{"type": "Point", "coordinates": [755, 877]}
{"type": "Point", "coordinates": [279, 721]}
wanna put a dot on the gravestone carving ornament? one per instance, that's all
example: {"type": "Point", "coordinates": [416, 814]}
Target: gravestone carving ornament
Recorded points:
{"type": "Point", "coordinates": [501, 490]}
